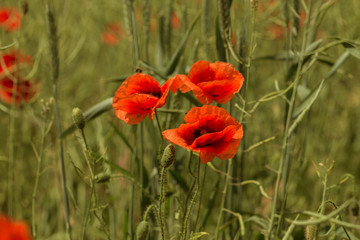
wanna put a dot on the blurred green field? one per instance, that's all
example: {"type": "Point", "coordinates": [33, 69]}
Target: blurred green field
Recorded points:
{"type": "Point", "coordinates": [96, 53]}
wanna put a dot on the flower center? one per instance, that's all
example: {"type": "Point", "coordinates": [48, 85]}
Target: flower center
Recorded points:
{"type": "Point", "coordinates": [157, 95]}
{"type": "Point", "coordinates": [202, 132]}
{"type": "Point", "coordinates": [199, 132]}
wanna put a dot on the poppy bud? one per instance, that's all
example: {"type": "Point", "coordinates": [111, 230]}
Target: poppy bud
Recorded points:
{"type": "Point", "coordinates": [78, 118]}
{"type": "Point", "coordinates": [142, 230]}
{"type": "Point", "coordinates": [168, 157]}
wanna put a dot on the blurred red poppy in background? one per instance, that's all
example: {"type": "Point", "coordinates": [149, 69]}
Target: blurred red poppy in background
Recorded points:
{"type": "Point", "coordinates": [209, 131]}
{"type": "Point", "coordinates": [13, 230]}
{"type": "Point", "coordinates": [25, 91]}
{"type": "Point", "coordinates": [210, 82]}
{"type": "Point", "coordinates": [9, 19]}
{"type": "Point", "coordinates": [9, 62]}
{"type": "Point", "coordinates": [175, 22]}
{"type": "Point", "coordinates": [112, 34]}
{"type": "Point", "coordinates": [138, 96]}
{"type": "Point", "coordinates": [13, 87]}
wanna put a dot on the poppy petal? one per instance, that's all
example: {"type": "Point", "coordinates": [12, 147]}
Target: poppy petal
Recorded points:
{"type": "Point", "coordinates": [137, 103]}
{"type": "Point", "coordinates": [212, 139]}
{"type": "Point", "coordinates": [227, 150]}
{"type": "Point", "coordinates": [206, 156]}
{"type": "Point", "coordinates": [179, 81]}
{"type": "Point", "coordinates": [200, 72]}
{"type": "Point", "coordinates": [219, 90]}
{"type": "Point", "coordinates": [208, 130]}
{"type": "Point", "coordinates": [139, 83]}
{"type": "Point", "coordinates": [196, 112]}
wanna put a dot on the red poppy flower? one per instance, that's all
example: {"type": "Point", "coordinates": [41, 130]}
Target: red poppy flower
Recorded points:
{"type": "Point", "coordinates": [138, 96]}
{"type": "Point", "coordinates": [25, 91]}
{"type": "Point", "coordinates": [175, 22]}
{"type": "Point", "coordinates": [208, 130]}
{"type": "Point", "coordinates": [9, 61]}
{"type": "Point", "coordinates": [9, 19]}
{"type": "Point", "coordinates": [112, 34]}
{"type": "Point", "coordinates": [13, 230]}
{"type": "Point", "coordinates": [210, 82]}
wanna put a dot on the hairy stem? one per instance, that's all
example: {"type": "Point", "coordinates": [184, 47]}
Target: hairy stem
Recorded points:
{"type": "Point", "coordinates": [192, 200]}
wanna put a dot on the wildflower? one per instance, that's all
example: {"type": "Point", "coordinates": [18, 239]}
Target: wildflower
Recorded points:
{"type": "Point", "coordinates": [10, 61]}
{"type": "Point", "coordinates": [210, 82]}
{"type": "Point", "coordinates": [112, 34]}
{"type": "Point", "coordinates": [25, 92]}
{"type": "Point", "coordinates": [175, 22]}
{"type": "Point", "coordinates": [9, 19]}
{"type": "Point", "coordinates": [11, 65]}
{"type": "Point", "coordinates": [139, 96]}
{"type": "Point", "coordinates": [13, 230]}
{"type": "Point", "coordinates": [209, 131]}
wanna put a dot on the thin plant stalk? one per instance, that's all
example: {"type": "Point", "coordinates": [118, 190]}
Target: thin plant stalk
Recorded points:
{"type": "Point", "coordinates": [54, 53]}
{"type": "Point", "coordinates": [187, 217]}
{"type": "Point", "coordinates": [36, 185]}
{"type": "Point", "coordinates": [200, 197]}
{"type": "Point", "coordinates": [132, 187]}
{"type": "Point", "coordinates": [160, 131]}
{"type": "Point", "coordinates": [11, 164]}
{"type": "Point", "coordinates": [286, 134]}
{"type": "Point", "coordinates": [249, 47]}
{"type": "Point", "coordinates": [161, 200]}
{"type": "Point", "coordinates": [141, 165]}
{"type": "Point", "coordinates": [323, 202]}
{"type": "Point", "coordinates": [222, 204]}
{"type": "Point", "coordinates": [90, 165]}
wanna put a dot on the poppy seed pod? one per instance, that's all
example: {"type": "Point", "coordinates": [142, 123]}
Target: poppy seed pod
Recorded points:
{"type": "Point", "coordinates": [168, 157]}
{"type": "Point", "coordinates": [142, 230]}
{"type": "Point", "coordinates": [78, 118]}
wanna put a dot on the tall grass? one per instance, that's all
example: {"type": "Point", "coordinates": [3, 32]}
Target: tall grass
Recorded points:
{"type": "Point", "coordinates": [296, 172]}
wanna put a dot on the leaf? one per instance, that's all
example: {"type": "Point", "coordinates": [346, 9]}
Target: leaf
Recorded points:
{"type": "Point", "coordinates": [211, 203]}
{"type": "Point", "coordinates": [302, 92]}
{"type": "Point", "coordinates": [337, 65]}
{"type": "Point", "coordinates": [170, 68]}
{"type": "Point", "coordinates": [137, 160]}
{"type": "Point", "coordinates": [120, 169]}
{"type": "Point", "coordinates": [180, 180]}
{"type": "Point", "coordinates": [260, 221]}
{"type": "Point", "coordinates": [198, 235]}
{"type": "Point", "coordinates": [119, 79]}
{"type": "Point", "coordinates": [122, 136]}
{"type": "Point", "coordinates": [91, 113]}
{"type": "Point", "coordinates": [278, 56]}
{"type": "Point", "coordinates": [191, 98]}
{"type": "Point", "coordinates": [354, 51]}
{"type": "Point", "coordinates": [7, 46]}
{"type": "Point", "coordinates": [126, 224]}
{"type": "Point", "coordinates": [220, 49]}
{"type": "Point", "coordinates": [305, 106]}
{"type": "Point", "coordinates": [310, 98]}
{"type": "Point", "coordinates": [313, 46]}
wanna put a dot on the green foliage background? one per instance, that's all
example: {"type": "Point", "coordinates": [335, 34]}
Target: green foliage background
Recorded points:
{"type": "Point", "coordinates": [91, 71]}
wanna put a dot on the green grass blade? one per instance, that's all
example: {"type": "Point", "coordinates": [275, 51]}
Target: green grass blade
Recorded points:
{"type": "Point", "coordinates": [180, 180]}
{"type": "Point", "coordinates": [308, 101]}
{"type": "Point", "coordinates": [170, 68]}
